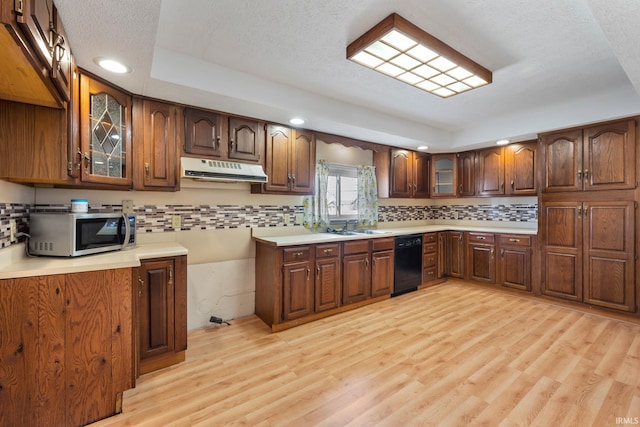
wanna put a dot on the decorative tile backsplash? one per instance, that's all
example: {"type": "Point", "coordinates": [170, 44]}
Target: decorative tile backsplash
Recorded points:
{"type": "Point", "coordinates": [157, 218]}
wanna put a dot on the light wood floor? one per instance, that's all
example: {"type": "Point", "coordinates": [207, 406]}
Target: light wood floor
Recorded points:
{"type": "Point", "coordinates": [451, 355]}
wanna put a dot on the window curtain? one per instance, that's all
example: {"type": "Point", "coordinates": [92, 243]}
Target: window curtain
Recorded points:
{"type": "Point", "coordinates": [316, 207]}
{"type": "Point", "coordinates": [367, 196]}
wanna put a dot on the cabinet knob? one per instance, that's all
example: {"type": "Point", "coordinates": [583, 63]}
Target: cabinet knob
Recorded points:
{"type": "Point", "coordinates": [514, 240]}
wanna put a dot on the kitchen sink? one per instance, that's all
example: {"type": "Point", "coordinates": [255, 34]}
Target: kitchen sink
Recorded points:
{"type": "Point", "coordinates": [374, 232]}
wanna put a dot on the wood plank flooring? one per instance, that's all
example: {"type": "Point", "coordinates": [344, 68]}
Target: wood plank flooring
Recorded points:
{"type": "Point", "coordinates": [451, 355]}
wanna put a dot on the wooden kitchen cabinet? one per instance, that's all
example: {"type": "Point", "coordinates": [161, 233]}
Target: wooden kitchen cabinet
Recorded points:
{"type": "Point", "coordinates": [588, 252]}
{"type": "Point", "coordinates": [156, 138]}
{"type": "Point", "coordinates": [481, 264]}
{"type": "Point", "coordinates": [454, 265]}
{"type": "Point", "coordinates": [466, 173]}
{"type": "Point", "coordinates": [289, 162]}
{"type": "Point", "coordinates": [382, 266]}
{"type": "Point", "coordinates": [67, 347]}
{"type": "Point", "coordinates": [161, 312]}
{"type": "Point", "coordinates": [514, 261]}
{"type": "Point", "coordinates": [430, 258]}
{"type": "Point", "coordinates": [220, 136]}
{"type": "Point", "coordinates": [104, 133]}
{"type": "Point", "coordinates": [443, 175]}
{"type": "Point", "coordinates": [521, 163]}
{"type": "Point", "coordinates": [409, 173]}
{"type": "Point", "coordinates": [356, 279]}
{"type": "Point", "coordinates": [601, 157]}
{"type": "Point", "coordinates": [328, 283]}
{"type": "Point", "coordinates": [37, 60]}
{"type": "Point", "coordinates": [491, 172]}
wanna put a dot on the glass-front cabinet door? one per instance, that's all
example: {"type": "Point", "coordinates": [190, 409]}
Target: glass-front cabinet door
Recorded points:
{"type": "Point", "coordinates": [443, 176]}
{"type": "Point", "coordinates": [105, 134]}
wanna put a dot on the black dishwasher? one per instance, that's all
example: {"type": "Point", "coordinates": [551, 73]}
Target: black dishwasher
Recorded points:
{"type": "Point", "coordinates": [408, 264]}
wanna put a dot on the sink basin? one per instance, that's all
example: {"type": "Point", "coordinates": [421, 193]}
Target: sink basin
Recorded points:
{"type": "Point", "coordinates": [374, 232]}
{"type": "Point", "coordinates": [343, 233]}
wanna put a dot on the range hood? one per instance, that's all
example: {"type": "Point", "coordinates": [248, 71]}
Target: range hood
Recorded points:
{"type": "Point", "coordinates": [221, 170]}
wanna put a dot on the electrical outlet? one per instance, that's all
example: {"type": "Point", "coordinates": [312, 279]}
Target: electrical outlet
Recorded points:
{"type": "Point", "coordinates": [176, 221]}
{"type": "Point", "coordinates": [14, 230]}
{"type": "Point", "coordinates": [455, 215]}
{"type": "Point", "coordinates": [299, 218]}
{"type": "Point", "coordinates": [127, 206]}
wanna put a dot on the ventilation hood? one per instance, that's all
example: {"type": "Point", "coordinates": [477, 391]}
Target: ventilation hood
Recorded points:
{"type": "Point", "coordinates": [221, 170]}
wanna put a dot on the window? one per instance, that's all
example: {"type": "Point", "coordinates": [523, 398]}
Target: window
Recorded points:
{"type": "Point", "coordinates": [342, 192]}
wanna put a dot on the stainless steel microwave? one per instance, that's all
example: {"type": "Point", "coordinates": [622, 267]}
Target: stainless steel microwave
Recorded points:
{"type": "Point", "coordinates": [76, 234]}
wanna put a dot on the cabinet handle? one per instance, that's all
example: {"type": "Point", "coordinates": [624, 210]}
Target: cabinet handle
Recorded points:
{"type": "Point", "coordinates": [298, 253]}
{"type": "Point", "coordinates": [512, 184]}
{"type": "Point", "coordinates": [216, 142]}
{"type": "Point", "coordinates": [328, 251]}
{"type": "Point", "coordinates": [501, 253]}
{"type": "Point", "coordinates": [481, 238]}
{"type": "Point", "coordinates": [141, 285]}
{"type": "Point", "coordinates": [366, 263]}
{"type": "Point", "coordinates": [308, 273]}
{"type": "Point", "coordinates": [585, 174]}
{"type": "Point", "coordinates": [415, 188]}
{"type": "Point", "coordinates": [293, 179]}
{"type": "Point", "coordinates": [514, 240]}
{"type": "Point", "coordinates": [318, 271]}
{"type": "Point", "coordinates": [579, 211]}
{"type": "Point", "coordinates": [288, 180]}
{"type": "Point", "coordinates": [170, 273]}
{"type": "Point", "coordinates": [492, 253]}
{"type": "Point", "coordinates": [502, 185]}
{"type": "Point", "coordinates": [146, 171]}
{"type": "Point", "coordinates": [579, 173]}
{"type": "Point", "coordinates": [232, 142]}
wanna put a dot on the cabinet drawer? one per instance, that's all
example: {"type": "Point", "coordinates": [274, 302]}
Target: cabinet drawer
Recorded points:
{"type": "Point", "coordinates": [514, 240]}
{"type": "Point", "coordinates": [327, 250]}
{"type": "Point", "coordinates": [429, 237]}
{"type": "Point", "coordinates": [429, 274]}
{"type": "Point", "coordinates": [429, 248]}
{"type": "Point", "coordinates": [299, 253]}
{"type": "Point", "coordinates": [481, 238]}
{"type": "Point", "coordinates": [356, 247]}
{"type": "Point", "coordinates": [384, 244]}
{"type": "Point", "coordinates": [429, 260]}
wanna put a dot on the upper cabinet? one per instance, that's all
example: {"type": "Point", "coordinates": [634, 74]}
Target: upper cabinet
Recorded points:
{"type": "Point", "coordinates": [491, 172]}
{"type": "Point", "coordinates": [157, 132]}
{"type": "Point", "coordinates": [600, 157]}
{"type": "Point", "coordinates": [105, 134]}
{"type": "Point", "coordinates": [443, 175]}
{"type": "Point", "coordinates": [520, 168]}
{"type": "Point", "coordinates": [218, 135]}
{"type": "Point", "coordinates": [37, 62]}
{"type": "Point", "coordinates": [289, 162]}
{"type": "Point", "coordinates": [409, 173]}
{"type": "Point", "coordinates": [466, 173]}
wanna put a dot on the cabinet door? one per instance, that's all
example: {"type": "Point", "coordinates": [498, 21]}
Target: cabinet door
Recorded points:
{"type": "Point", "coordinates": [105, 133]}
{"type": "Point", "coordinates": [562, 161]}
{"type": "Point", "coordinates": [356, 278]}
{"type": "Point", "coordinates": [156, 313]}
{"type": "Point", "coordinates": [277, 158]}
{"type": "Point", "coordinates": [466, 173]}
{"type": "Point", "coordinates": [34, 18]}
{"type": "Point", "coordinates": [302, 162]}
{"type": "Point", "coordinates": [245, 139]}
{"type": "Point", "coordinates": [401, 173]}
{"type": "Point", "coordinates": [204, 133]}
{"type": "Point", "coordinates": [443, 248]}
{"type": "Point", "coordinates": [297, 290]}
{"type": "Point", "coordinates": [328, 284]}
{"type": "Point", "coordinates": [443, 175]}
{"type": "Point", "coordinates": [381, 273]}
{"type": "Point", "coordinates": [456, 253]}
{"type": "Point", "coordinates": [520, 168]}
{"type": "Point", "coordinates": [609, 156]}
{"type": "Point", "coordinates": [561, 230]}
{"type": "Point", "coordinates": [421, 172]}
{"type": "Point", "coordinates": [491, 172]}
{"type": "Point", "coordinates": [482, 263]}
{"type": "Point", "coordinates": [609, 254]}
{"type": "Point", "coordinates": [156, 153]}
{"type": "Point", "coordinates": [62, 65]}
{"type": "Point", "coordinates": [515, 267]}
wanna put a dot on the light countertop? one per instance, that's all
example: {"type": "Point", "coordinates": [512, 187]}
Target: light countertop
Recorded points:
{"type": "Point", "coordinates": [299, 237]}
{"type": "Point", "coordinates": [22, 266]}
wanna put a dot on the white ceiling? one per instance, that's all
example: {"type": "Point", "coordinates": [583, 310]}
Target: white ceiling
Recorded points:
{"type": "Point", "coordinates": [555, 63]}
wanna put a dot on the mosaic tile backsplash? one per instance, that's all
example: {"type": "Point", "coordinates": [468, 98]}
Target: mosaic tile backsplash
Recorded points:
{"type": "Point", "coordinates": [157, 218]}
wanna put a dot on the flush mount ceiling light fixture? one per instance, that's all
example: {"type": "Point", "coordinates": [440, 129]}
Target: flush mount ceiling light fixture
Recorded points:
{"type": "Point", "coordinates": [112, 65]}
{"type": "Point", "coordinates": [399, 49]}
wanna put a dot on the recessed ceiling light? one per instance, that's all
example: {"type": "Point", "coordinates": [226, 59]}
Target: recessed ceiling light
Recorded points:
{"type": "Point", "coordinates": [296, 121]}
{"type": "Point", "coordinates": [503, 142]}
{"type": "Point", "coordinates": [423, 147]}
{"type": "Point", "coordinates": [112, 65]}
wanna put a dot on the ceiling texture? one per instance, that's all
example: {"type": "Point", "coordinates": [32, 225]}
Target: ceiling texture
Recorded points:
{"type": "Point", "coordinates": [555, 63]}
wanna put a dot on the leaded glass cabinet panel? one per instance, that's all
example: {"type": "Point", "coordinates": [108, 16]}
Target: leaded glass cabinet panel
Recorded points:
{"type": "Point", "coordinates": [105, 137]}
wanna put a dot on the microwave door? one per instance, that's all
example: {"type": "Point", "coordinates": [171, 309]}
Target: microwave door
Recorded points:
{"type": "Point", "coordinates": [124, 220]}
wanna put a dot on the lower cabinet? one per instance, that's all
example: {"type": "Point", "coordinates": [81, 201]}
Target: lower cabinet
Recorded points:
{"type": "Point", "coordinates": [66, 352]}
{"type": "Point", "coordinates": [430, 249]}
{"type": "Point", "coordinates": [514, 261]}
{"type": "Point", "coordinates": [588, 252]}
{"type": "Point", "coordinates": [481, 265]}
{"type": "Point", "coordinates": [298, 284]}
{"type": "Point", "coordinates": [453, 255]}
{"type": "Point", "coordinates": [161, 312]}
